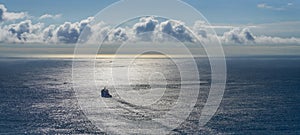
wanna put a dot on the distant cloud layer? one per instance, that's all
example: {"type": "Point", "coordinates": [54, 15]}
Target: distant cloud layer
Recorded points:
{"type": "Point", "coordinates": [144, 29]}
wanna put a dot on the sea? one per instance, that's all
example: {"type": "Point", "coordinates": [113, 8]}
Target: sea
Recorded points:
{"type": "Point", "coordinates": [262, 96]}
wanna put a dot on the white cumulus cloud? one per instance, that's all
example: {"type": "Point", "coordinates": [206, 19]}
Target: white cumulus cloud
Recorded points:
{"type": "Point", "coordinates": [177, 30]}
{"type": "Point", "coordinates": [145, 27]}
{"type": "Point", "coordinates": [70, 32]}
{"type": "Point", "coordinates": [118, 34]}
{"type": "Point", "coordinates": [238, 36]}
{"type": "Point", "coordinates": [24, 31]}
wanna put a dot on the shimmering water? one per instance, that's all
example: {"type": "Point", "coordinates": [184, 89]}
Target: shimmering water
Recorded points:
{"type": "Point", "coordinates": [262, 97]}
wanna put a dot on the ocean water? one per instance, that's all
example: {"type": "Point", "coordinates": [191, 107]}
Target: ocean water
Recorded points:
{"type": "Point", "coordinates": [262, 96]}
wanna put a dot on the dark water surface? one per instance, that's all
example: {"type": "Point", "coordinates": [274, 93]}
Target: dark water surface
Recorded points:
{"type": "Point", "coordinates": [262, 97]}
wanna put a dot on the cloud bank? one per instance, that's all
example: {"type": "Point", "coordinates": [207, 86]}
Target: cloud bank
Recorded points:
{"type": "Point", "coordinates": [146, 29]}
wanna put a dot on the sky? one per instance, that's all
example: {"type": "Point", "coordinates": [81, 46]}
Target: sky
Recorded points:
{"type": "Point", "coordinates": [216, 11]}
{"type": "Point", "coordinates": [248, 11]}
{"type": "Point", "coordinates": [241, 22]}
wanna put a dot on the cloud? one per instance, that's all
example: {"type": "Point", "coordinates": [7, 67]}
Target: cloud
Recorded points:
{"type": "Point", "coordinates": [118, 34]}
{"type": "Point", "coordinates": [70, 32]}
{"type": "Point", "coordinates": [9, 16]}
{"type": "Point", "coordinates": [2, 11]}
{"type": "Point", "coordinates": [243, 36]}
{"type": "Point", "coordinates": [277, 29]}
{"type": "Point", "coordinates": [150, 29]}
{"type": "Point", "coordinates": [268, 40]}
{"type": "Point", "coordinates": [19, 29]}
{"type": "Point", "coordinates": [238, 36]}
{"type": "Point", "coordinates": [15, 16]}
{"type": "Point", "coordinates": [25, 30]}
{"type": "Point", "coordinates": [176, 29]}
{"type": "Point", "coordinates": [99, 32]}
{"type": "Point", "coordinates": [266, 6]}
{"type": "Point", "coordinates": [146, 24]}
{"type": "Point", "coordinates": [145, 27]}
{"type": "Point", "coordinates": [49, 16]}
{"type": "Point", "coordinates": [200, 28]}
{"type": "Point", "coordinates": [49, 34]}
{"type": "Point", "coordinates": [6, 36]}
